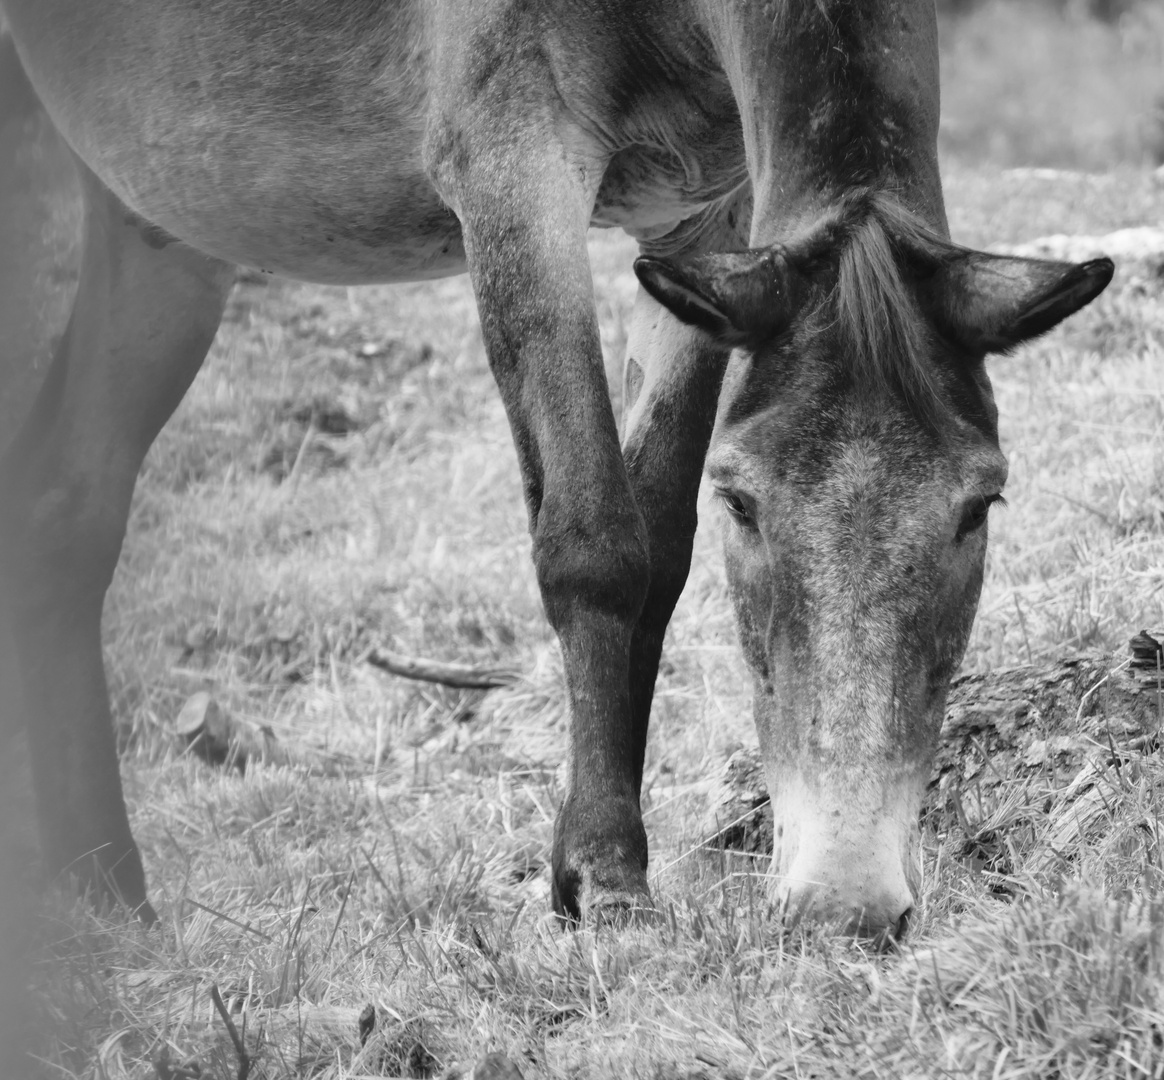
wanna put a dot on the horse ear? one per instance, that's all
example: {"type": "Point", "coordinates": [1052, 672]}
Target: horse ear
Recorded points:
{"type": "Point", "coordinates": [991, 303]}
{"type": "Point", "coordinates": [736, 298]}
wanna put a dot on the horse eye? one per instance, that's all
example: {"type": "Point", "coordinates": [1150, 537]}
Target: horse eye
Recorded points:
{"type": "Point", "coordinates": [736, 508]}
{"type": "Point", "coordinates": [974, 513]}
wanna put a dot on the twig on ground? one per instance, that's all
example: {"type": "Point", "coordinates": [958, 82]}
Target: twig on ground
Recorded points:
{"type": "Point", "coordinates": [462, 676]}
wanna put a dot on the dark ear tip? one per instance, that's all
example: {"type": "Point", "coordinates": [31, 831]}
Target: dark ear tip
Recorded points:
{"type": "Point", "coordinates": [658, 277]}
{"type": "Point", "coordinates": [644, 264]}
{"type": "Point", "coordinates": [1100, 271]}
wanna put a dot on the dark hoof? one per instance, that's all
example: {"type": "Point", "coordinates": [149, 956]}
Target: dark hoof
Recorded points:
{"type": "Point", "coordinates": [617, 913]}
{"type": "Point", "coordinates": [600, 865]}
{"type": "Point", "coordinates": [607, 910]}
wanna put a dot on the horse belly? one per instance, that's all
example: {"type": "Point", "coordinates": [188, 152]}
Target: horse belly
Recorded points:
{"type": "Point", "coordinates": [289, 144]}
{"type": "Point", "coordinates": [335, 233]}
{"type": "Point", "coordinates": [301, 204]}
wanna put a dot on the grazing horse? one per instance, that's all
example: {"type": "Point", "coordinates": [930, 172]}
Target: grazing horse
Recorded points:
{"type": "Point", "coordinates": [776, 162]}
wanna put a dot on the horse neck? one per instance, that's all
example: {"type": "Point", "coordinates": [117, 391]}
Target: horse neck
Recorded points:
{"type": "Point", "coordinates": [832, 95]}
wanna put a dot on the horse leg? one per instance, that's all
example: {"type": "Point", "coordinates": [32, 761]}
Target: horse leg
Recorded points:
{"type": "Point", "coordinates": [524, 213]}
{"type": "Point", "coordinates": [36, 174]}
{"type": "Point", "coordinates": [673, 377]}
{"type": "Point", "coordinates": [144, 316]}
{"type": "Point", "coordinates": [667, 432]}
{"type": "Point", "coordinates": [21, 187]}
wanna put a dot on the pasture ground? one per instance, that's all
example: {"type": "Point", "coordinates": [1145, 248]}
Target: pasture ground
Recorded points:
{"type": "Point", "coordinates": [340, 476]}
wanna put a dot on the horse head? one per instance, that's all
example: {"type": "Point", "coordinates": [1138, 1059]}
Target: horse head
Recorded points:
{"type": "Point", "coordinates": [856, 456]}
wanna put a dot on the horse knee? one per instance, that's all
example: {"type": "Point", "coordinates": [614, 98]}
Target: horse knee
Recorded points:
{"type": "Point", "coordinates": [600, 563]}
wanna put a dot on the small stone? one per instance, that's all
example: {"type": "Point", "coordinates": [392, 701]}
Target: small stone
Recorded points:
{"type": "Point", "coordinates": [206, 730]}
{"type": "Point", "coordinates": [200, 711]}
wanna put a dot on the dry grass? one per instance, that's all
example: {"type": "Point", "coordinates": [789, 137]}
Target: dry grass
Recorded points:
{"type": "Point", "coordinates": [341, 474]}
{"type": "Point", "coordinates": [1075, 557]}
{"type": "Point", "coordinates": [401, 861]}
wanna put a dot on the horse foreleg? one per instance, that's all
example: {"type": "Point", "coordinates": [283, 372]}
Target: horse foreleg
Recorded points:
{"type": "Point", "coordinates": [525, 238]}
{"type": "Point", "coordinates": [142, 321]}
{"type": "Point", "coordinates": [673, 379]}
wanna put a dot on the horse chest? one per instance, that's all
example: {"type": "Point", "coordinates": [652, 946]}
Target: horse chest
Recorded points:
{"type": "Point", "coordinates": [648, 192]}
{"type": "Point", "coordinates": [680, 160]}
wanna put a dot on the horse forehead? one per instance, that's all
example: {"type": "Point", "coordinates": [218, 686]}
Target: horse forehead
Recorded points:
{"type": "Point", "coordinates": [872, 514]}
{"type": "Point", "coordinates": [870, 517]}
{"type": "Point", "coordinates": [831, 447]}
{"type": "Point", "coordinates": [878, 463]}
{"type": "Point", "coordinates": [861, 554]}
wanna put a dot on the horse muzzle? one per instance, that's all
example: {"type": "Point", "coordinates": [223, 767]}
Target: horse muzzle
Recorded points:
{"type": "Point", "coordinates": [848, 862]}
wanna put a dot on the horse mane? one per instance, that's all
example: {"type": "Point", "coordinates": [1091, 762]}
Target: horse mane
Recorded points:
{"type": "Point", "coordinates": [881, 250]}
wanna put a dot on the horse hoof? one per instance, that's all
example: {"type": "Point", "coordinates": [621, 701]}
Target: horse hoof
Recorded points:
{"type": "Point", "coordinates": [600, 864]}
{"type": "Point", "coordinates": [616, 897]}
{"type": "Point", "coordinates": [619, 912]}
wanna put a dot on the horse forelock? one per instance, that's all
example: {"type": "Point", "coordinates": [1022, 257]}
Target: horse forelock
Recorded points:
{"type": "Point", "coordinates": [881, 331]}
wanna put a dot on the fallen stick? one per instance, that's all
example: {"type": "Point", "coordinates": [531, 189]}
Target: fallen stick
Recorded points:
{"type": "Point", "coordinates": [462, 676]}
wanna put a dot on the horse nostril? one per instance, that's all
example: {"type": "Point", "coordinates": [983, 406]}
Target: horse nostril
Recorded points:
{"type": "Point", "coordinates": [890, 935]}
